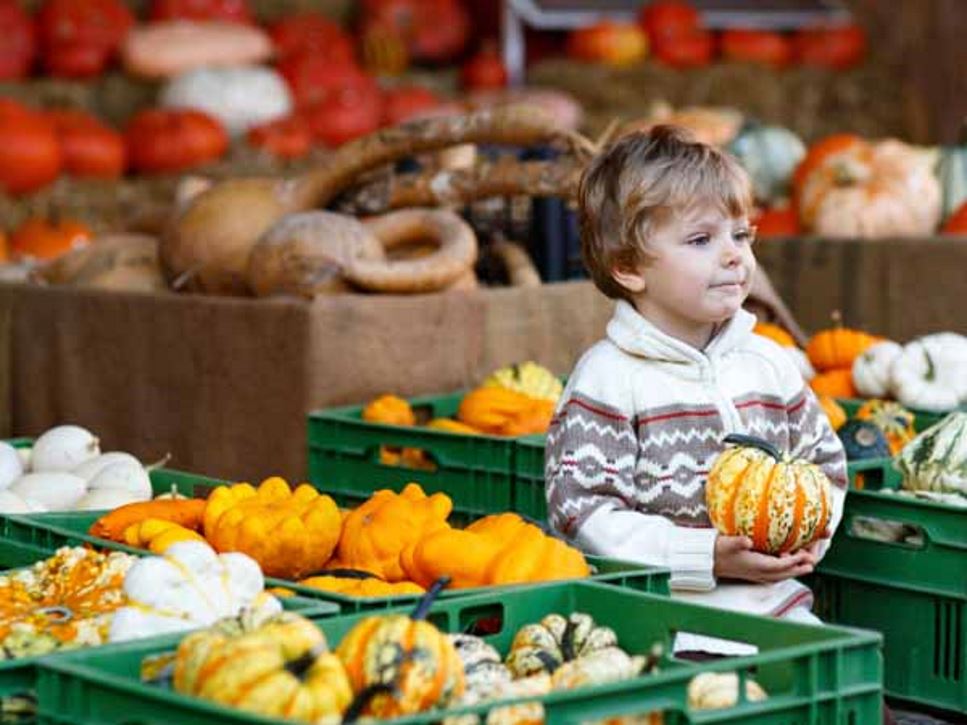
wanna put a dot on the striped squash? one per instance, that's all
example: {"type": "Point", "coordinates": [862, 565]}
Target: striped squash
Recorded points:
{"type": "Point", "coordinates": [936, 460]}
{"type": "Point", "coordinates": [895, 421]}
{"type": "Point", "coordinates": [780, 503]}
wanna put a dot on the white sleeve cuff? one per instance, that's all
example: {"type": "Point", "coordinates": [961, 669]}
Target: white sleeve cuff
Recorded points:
{"type": "Point", "coordinates": [691, 558]}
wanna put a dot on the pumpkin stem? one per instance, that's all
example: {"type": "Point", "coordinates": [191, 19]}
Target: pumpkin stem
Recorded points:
{"type": "Point", "coordinates": [837, 318]}
{"type": "Point", "coordinates": [160, 463]}
{"type": "Point", "coordinates": [931, 368]}
{"type": "Point", "coordinates": [301, 664]}
{"type": "Point", "coordinates": [426, 601]}
{"type": "Point", "coordinates": [743, 440]}
{"type": "Point", "coordinates": [361, 700]}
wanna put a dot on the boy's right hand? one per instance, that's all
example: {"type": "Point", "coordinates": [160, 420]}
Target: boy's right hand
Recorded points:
{"type": "Point", "coordinates": [735, 559]}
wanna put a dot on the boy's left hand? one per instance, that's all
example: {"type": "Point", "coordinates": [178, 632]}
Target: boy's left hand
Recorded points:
{"type": "Point", "coordinates": [815, 549]}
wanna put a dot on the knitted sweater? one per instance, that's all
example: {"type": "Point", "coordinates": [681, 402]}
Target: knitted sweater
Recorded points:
{"type": "Point", "coordinates": [637, 429]}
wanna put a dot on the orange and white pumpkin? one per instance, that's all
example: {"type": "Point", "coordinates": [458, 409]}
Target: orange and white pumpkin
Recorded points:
{"type": "Point", "coordinates": [781, 503]}
{"type": "Point", "coordinates": [869, 189]}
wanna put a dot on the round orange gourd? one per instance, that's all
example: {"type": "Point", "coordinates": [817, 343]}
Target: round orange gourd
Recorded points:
{"type": "Point", "coordinates": [833, 410]}
{"type": "Point", "coordinates": [43, 239]}
{"type": "Point", "coordinates": [834, 383]}
{"type": "Point", "coordinates": [838, 346]}
{"type": "Point", "coordinates": [389, 409]}
{"type": "Point", "coordinates": [500, 411]}
{"type": "Point", "coordinates": [775, 333]}
{"type": "Point", "coordinates": [782, 504]}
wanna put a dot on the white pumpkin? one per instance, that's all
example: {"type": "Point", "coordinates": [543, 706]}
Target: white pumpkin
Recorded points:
{"type": "Point", "coordinates": [25, 456]}
{"type": "Point", "coordinates": [931, 373]}
{"type": "Point", "coordinates": [63, 448]}
{"type": "Point", "coordinates": [105, 499]}
{"type": "Point", "coordinates": [89, 469]}
{"type": "Point", "coordinates": [189, 587]}
{"type": "Point", "coordinates": [123, 476]}
{"type": "Point", "coordinates": [53, 490]}
{"type": "Point", "coordinates": [770, 154]}
{"type": "Point", "coordinates": [714, 690]}
{"type": "Point", "coordinates": [238, 97]}
{"type": "Point", "coordinates": [11, 503]}
{"type": "Point", "coordinates": [11, 466]}
{"type": "Point", "coordinates": [871, 370]}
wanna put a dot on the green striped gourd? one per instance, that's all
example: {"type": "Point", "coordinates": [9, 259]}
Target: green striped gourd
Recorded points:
{"type": "Point", "coordinates": [936, 460]}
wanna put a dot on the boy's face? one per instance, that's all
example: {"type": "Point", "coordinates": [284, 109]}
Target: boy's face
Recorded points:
{"type": "Point", "coordinates": [699, 275]}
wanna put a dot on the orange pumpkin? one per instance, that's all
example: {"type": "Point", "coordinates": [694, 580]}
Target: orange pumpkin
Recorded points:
{"type": "Point", "coordinates": [834, 383]}
{"type": "Point", "coordinates": [774, 333]}
{"type": "Point", "coordinates": [41, 239]}
{"type": "Point", "coordinates": [957, 222]}
{"type": "Point", "coordinates": [389, 409]}
{"type": "Point", "coordinates": [838, 346]}
{"type": "Point", "coordinates": [500, 411]}
{"type": "Point", "coordinates": [779, 221]}
{"type": "Point", "coordinates": [782, 504]}
{"type": "Point", "coordinates": [833, 410]}
{"type": "Point", "coordinates": [608, 42]}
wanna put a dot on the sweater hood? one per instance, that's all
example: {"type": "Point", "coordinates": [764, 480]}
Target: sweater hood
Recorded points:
{"type": "Point", "coordinates": [637, 336]}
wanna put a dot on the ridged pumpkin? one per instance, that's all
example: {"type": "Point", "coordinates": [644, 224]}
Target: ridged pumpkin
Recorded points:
{"type": "Point", "coordinates": [366, 585]}
{"type": "Point", "coordinates": [833, 410]}
{"type": "Point", "coordinates": [895, 421]}
{"type": "Point", "coordinates": [494, 550]}
{"type": "Point", "coordinates": [389, 409]}
{"type": "Point", "coordinates": [834, 383]}
{"type": "Point", "coordinates": [377, 532]}
{"type": "Point", "coordinates": [782, 504]}
{"type": "Point", "coordinates": [556, 639]}
{"type": "Point", "coordinates": [281, 669]}
{"type": "Point", "coordinates": [500, 411]}
{"type": "Point", "coordinates": [528, 378]}
{"type": "Point", "coordinates": [936, 460]}
{"type": "Point", "coordinates": [838, 346]}
{"type": "Point", "coordinates": [289, 533]}
{"type": "Point", "coordinates": [414, 662]}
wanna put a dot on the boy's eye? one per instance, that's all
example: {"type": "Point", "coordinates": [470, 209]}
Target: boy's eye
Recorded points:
{"type": "Point", "coordinates": [744, 236]}
{"type": "Point", "coordinates": [699, 240]}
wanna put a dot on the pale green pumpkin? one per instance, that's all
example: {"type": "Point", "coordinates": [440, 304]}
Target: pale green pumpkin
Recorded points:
{"type": "Point", "coordinates": [770, 154]}
{"type": "Point", "coordinates": [936, 460]}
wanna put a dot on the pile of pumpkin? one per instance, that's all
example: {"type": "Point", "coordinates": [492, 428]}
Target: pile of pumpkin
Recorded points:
{"type": "Point", "coordinates": [671, 29]}
{"type": "Point", "coordinates": [515, 400]}
{"type": "Point", "coordinates": [395, 665]}
{"type": "Point", "coordinates": [392, 544]}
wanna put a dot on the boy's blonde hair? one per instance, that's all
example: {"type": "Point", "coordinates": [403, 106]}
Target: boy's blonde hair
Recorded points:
{"type": "Point", "coordinates": [637, 184]}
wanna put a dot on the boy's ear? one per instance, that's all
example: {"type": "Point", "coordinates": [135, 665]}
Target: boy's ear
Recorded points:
{"type": "Point", "coordinates": [630, 279]}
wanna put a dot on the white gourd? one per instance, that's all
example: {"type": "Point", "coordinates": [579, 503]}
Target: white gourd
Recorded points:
{"type": "Point", "coordinates": [871, 370]}
{"type": "Point", "coordinates": [63, 448]}
{"type": "Point", "coordinates": [936, 460]}
{"type": "Point", "coordinates": [931, 373]}
{"type": "Point", "coordinates": [238, 97]}
{"type": "Point", "coordinates": [11, 466]}
{"type": "Point", "coordinates": [11, 503]}
{"type": "Point", "coordinates": [189, 587]}
{"type": "Point", "coordinates": [53, 490]}
{"type": "Point", "coordinates": [89, 469]}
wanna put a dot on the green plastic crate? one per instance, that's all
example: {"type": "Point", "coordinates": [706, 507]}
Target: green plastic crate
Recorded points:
{"type": "Point", "coordinates": [475, 471]}
{"type": "Point", "coordinates": [529, 492]}
{"type": "Point", "coordinates": [914, 593]}
{"type": "Point", "coordinates": [814, 675]}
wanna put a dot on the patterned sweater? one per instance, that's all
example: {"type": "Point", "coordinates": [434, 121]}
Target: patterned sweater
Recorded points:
{"type": "Point", "coordinates": [637, 429]}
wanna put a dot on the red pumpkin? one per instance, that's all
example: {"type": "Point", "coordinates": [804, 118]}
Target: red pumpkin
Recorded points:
{"type": "Point", "coordinates": [43, 239]}
{"type": "Point", "coordinates": [486, 69]}
{"type": "Point", "coordinates": [312, 33]}
{"type": "Point", "coordinates": [957, 222]}
{"type": "Point", "coordinates": [407, 102]}
{"type": "Point", "coordinates": [312, 78]}
{"type": "Point", "coordinates": [838, 47]}
{"type": "Point", "coordinates": [90, 148]}
{"type": "Point", "coordinates": [30, 155]}
{"type": "Point", "coordinates": [345, 114]}
{"type": "Point", "coordinates": [616, 44]}
{"type": "Point", "coordinates": [236, 11]}
{"type": "Point", "coordinates": [433, 30]}
{"type": "Point", "coordinates": [286, 138]}
{"type": "Point", "coordinates": [667, 19]}
{"type": "Point", "coordinates": [693, 50]}
{"type": "Point", "coordinates": [19, 41]}
{"type": "Point", "coordinates": [780, 221]}
{"type": "Point", "coordinates": [80, 37]}
{"type": "Point", "coordinates": [4, 248]}
{"type": "Point", "coordinates": [757, 46]}
{"type": "Point", "coordinates": [160, 140]}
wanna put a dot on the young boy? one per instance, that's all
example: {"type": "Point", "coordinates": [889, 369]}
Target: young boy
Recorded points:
{"type": "Point", "coordinates": [665, 231]}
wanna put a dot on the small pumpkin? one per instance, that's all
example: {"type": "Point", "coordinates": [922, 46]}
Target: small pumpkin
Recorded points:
{"type": "Point", "coordinates": [936, 460]}
{"type": "Point", "coordinates": [377, 532]}
{"type": "Point", "coordinates": [756, 46]}
{"type": "Point", "coordinates": [895, 421]}
{"type": "Point", "coordinates": [408, 663]}
{"type": "Point", "coordinates": [90, 148]}
{"type": "Point", "coordinates": [775, 333]}
{"type": "Point", "coordinates": [838, 47]}
{"type": "Point", "coordinates": [871, 370]}
{"type": "Point", "coordinates": [285, 138]}
{"type": "Point", "coordinates": [862, 440]}
{"type": "Point", "coordinates": [482, 665]}
{"type": "Point", "coordinates": [190, 586]}
{"type": "Point", "coordinates": [38, 238]}
{"type": "Point", "coordinates": [79, 39]}
{"type": "Point", "coordinates": [157, 535]}
{"type": "Point", "coordinates": [359, 584]}
{"type": "Point", "coordinates": [931, 373]}
{"type": "Point", "coordinates": [528, 378]}
{"type": "Point", "coordinates": [169, 140]}
{"type": "Point", "coordinates": [781, 503]}
{"type": "Point", "coordinates": [833, 410]}
{"type": "Point", "coordinates": [834, 383]}
{"type": "Point", "coordinates": [30, 154]}
{"type": "Point", "coordinates": [770, 154]}
{"type": "Point", "coordinates": [485, 69]}
{"type": "Point", "coordinates": [837, 347]}
{"type": "Point", "coordinates": [608, 42]}
{"type": "Point", "coordinates": [281, 669]}
{"type": "Point", "coordinates": [290, 533]}
{"type": "Point", "coordinates": [556, 639]}
{"type": "Point", "coordinates": [500, 411]}
{"type": "Point", "coordinates": [311, 32]}
{"type": "Point", "coordinates": [20, 41]}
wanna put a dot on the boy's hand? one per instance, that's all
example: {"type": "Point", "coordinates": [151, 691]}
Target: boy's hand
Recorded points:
{"type": "Point", "coordinates": [734, 559]}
